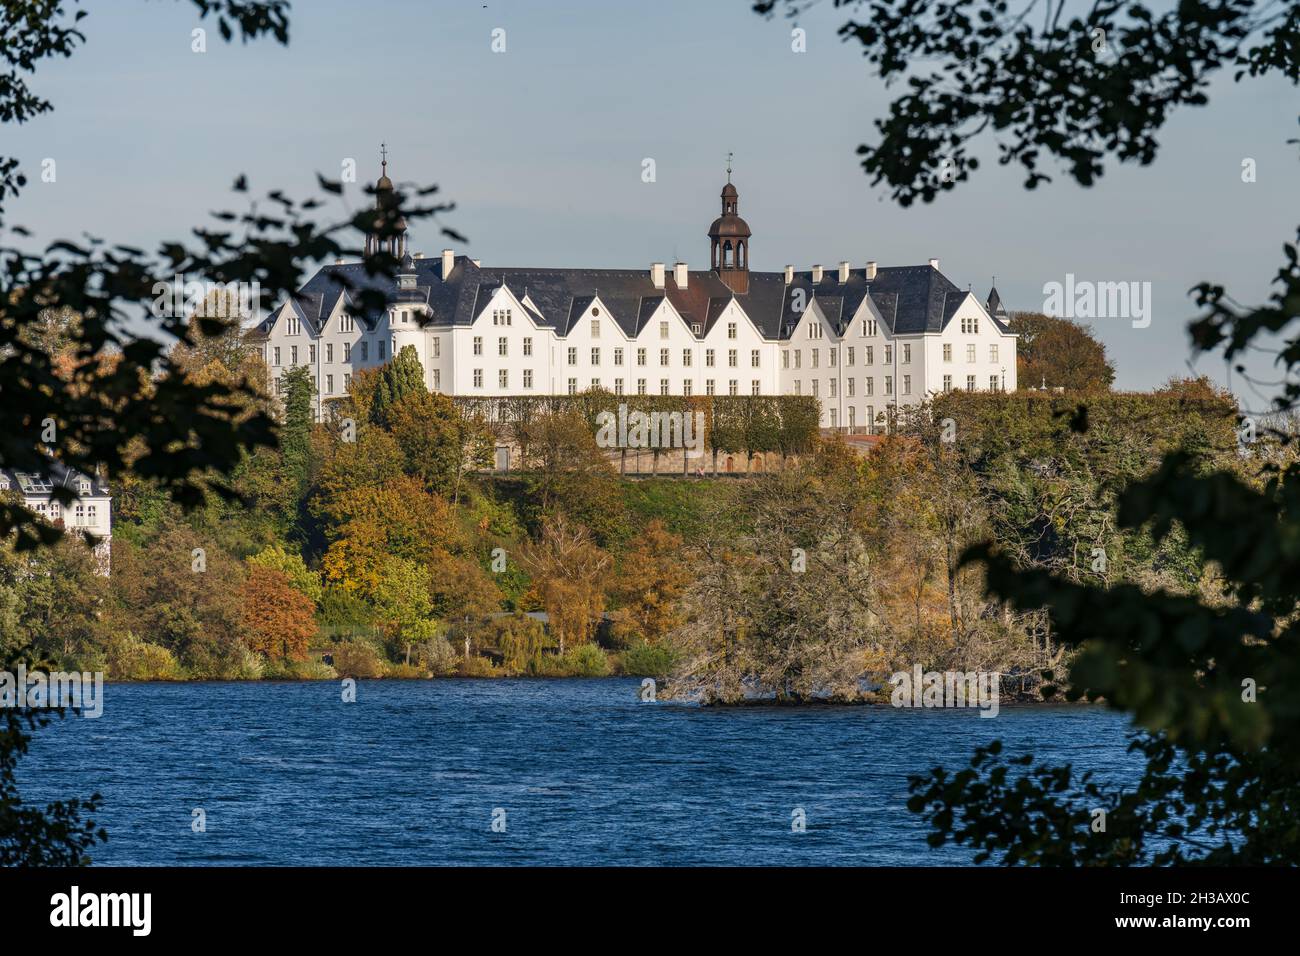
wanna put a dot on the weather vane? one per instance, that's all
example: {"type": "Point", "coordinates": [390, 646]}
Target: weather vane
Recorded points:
{"type": "Point", "coordinates": [729, 155]}
{"type": "Point", "coordinates": [383, 154]}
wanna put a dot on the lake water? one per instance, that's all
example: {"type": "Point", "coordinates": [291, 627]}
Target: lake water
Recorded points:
{"type": "Point", "coordinates": [412, 772]}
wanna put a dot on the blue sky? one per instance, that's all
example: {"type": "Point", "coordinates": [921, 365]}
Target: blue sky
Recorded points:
{"type": "Point", "coordinates": [542, 147]}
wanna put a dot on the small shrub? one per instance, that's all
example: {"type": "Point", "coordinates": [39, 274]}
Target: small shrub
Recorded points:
{"type": "Point", "coordinates": [127, 657]}
{"type": "Point", "coordinates": [643, 659]}
{"type": "Point", "coordinates": [585, 660]}
{"type": "Point", "coordinates": [405, 671]}
{"type": "Point", "coordinates": [357, 659]}
{"type": "Point", "coordinates": [476, 667]}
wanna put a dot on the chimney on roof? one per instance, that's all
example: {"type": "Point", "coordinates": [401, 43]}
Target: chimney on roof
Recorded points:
{"type": "Point", "coordinates": [934, 263]}
{"type": "Point", "coordinates": [789, 274]}
{"type": "Point", "coordinates": [657, 274]}
{"type": "Point", "coordinates": [680, 274]}
{"type": "Point", "coordinates": [871, 269]}
{"type": "Point", "coordinates": [338, 262]}
{"type": "Point", "coordinates": [448, 262]}
{"type": "Point", "coordinates": [418, 255]}
{"type": "Point", "coordinates": [817, 274]}
{"type": "Point", "coordinates": [844, 272]}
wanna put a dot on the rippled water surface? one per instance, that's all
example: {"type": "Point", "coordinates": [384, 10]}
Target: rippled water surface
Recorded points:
{"type": "Point", "coordinates": [586, 774]}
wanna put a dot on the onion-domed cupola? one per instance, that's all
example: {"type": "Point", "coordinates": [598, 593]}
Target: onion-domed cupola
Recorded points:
{"type": "Point", "coordinates": [385, 198]}
{"type": "Point", "coordinates": [729, 241]}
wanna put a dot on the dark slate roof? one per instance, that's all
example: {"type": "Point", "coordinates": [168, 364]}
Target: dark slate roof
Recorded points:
{"type": "Point", "coordinates": [59, 475]}
{"type": "Point", "coordinates": [910, 299]}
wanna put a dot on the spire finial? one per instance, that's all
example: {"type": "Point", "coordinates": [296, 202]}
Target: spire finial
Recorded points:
{"type": "Point", "coordinates": [729, 155]}
{"type": "Point", "coordinates": [383, 153]}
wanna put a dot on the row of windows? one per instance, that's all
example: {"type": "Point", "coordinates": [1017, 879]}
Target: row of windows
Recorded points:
{"type": "Point", "coordinates": [329, 383]}
{"type": "Point", "coordinates": [81, 514]}
{"type": "Point", "coordinates": [665, 357]}
{"type": "Point", "coordinates": [869, 386]}
{"type": "Point", "coordinates": [503, 346]}
{"type": "Point", "coordinates": [665, 386]}
{"type": "Point", "coordinates": [329, 353]}
{"type": "Point", "coordinates": [293, 325]}
{"type": "Point", "coordinates": [869, 355]}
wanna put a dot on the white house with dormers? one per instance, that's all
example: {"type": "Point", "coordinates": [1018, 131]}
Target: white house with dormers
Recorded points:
{"type": "Point", "coordinates": [89, 513]}
{"type": "Point", "coordinates": [859, 339]}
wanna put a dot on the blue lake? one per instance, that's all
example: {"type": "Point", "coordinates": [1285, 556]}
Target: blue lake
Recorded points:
{"type": "Point", "coordinates": [586, 773]}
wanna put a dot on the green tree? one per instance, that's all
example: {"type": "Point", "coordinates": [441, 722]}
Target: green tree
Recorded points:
{"type": "Point", "coordinates": [402, 376]}
{"type": "Point", "coordinates": [1059, 353]}
{"type": "Point", "coordinates": [295, 433]}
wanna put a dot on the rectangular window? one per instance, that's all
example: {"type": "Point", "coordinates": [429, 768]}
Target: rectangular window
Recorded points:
{"type": "Point", "coordinates": [528, 378]}
{"type": "Point", "coordinates": [798, 387]}
{"type": "Point", "coordinates": [848, 383]}
{"type": "Point", "coordinates": [889, 385]}
{"type": "Point", "coordinates": [970, 383]}
{"type": "Point", "coordinates": [753, 387]}
{"type": "Point", "coordinates": [816, 357]}
{"type": "Point", "coordinates": [798, 358]}
{"type": "Point", "coordinates": [573, 355]}
{"type": "Point", "coordinates": [311, 354]}
{"type": "Point", "coordinates": [437, 379]}
{"type": "Point", "coordinates": [816, 387]}
{"type": "Point", "coordinates": [478, 378]}
{"type": "Point", "coordinates": [832, 387]}
{"type": "Point", "coordinates": [663, 330]}
{"type": "Point", "coordinates": [833, 357]}
{"type": "Point", "coordinates": [329, 352]}
{"type": "Point", "coordinates": [708, 358]}
{"type": "Point", "coordinates": [993, 353]}
{"type": "Point", "coordinates": [618, 386]}
{"type": "Point", "coordinates": [618, 356]}
{"type": "Point", "coordinates": [785, 358]}
{"type": "Point", "coordinates": [663, 386]}
{"type": "Point", "coordinates": [640, 386]}
{"type": "Point", "coordinates": [663, 357]}
{"type": "Point", "coordinates": [868, 355]}
{"type": "Point", "coordinates": [437, 346]}
{"type": "Point", "coordinates": [733, 387]}
{"type": "Point", "coordinates": [573, 386]}
{"type": "Point", "coordinates": [595, 356]}
{"type": "Point", "coordinates": [595, 383]}
{"type": "Point", "coordinates": [947, 383]}
{"type": "Point", "coordinates": [993, 384]}
{"type": "Point", "coordinates": [709, 387]}
{"type": "Point", "coordinates": [686, 358]}
{"type": "Point", "coordinates": [907, 385]}
{"type": "Point", "coordinates": [503, 378]}
{"type": "Point", "coordinates": [870, 386]}
{"type": "Point", "coordinates": [277, 356]}
{"type": "Point", "coordinates": [502, 347]}
{"type": "Point", "coordinates": [347, 352]}
{"type": "Point", "coordinates": [329, 384]}
{"type": "Point", "coordinates": [595, 328]}
{"type": "Point", "coordinates": [382, 346]}
{"type": "Point", "coordinates": [731, 358]}
{"type": "Point", "coordinates": [528, 345]}
{"type": "Point", "coordinates": [970, 353]}
{"type": "Point", "coordinates": [889, 354]}
{"type": "Point", "coordinates": [907, 354]}
{"type": "Point", "coordinates": [640, 356]}
{"type": "Point", "coordinates": [293, 355]}
{"type": "Point", "coordinates": [478, 345]}
{"type": "Point", "coordinates": [753, 358]}
{"type": "Point", "coordinates": [947, 351]}
{"type": "Point", "coordinates": [850, 356]}
{"type": "Point", "coordinates": [347, 381]}
{"type": "Point", "coordinates": [731, 330]}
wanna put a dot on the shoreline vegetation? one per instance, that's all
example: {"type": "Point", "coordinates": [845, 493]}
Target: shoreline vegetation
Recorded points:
{"type": "Point", "coordinates": [380, 545]}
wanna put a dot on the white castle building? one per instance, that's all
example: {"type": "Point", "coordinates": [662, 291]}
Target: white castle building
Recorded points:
{"type": "Point", "coordinates": [859, 338]}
